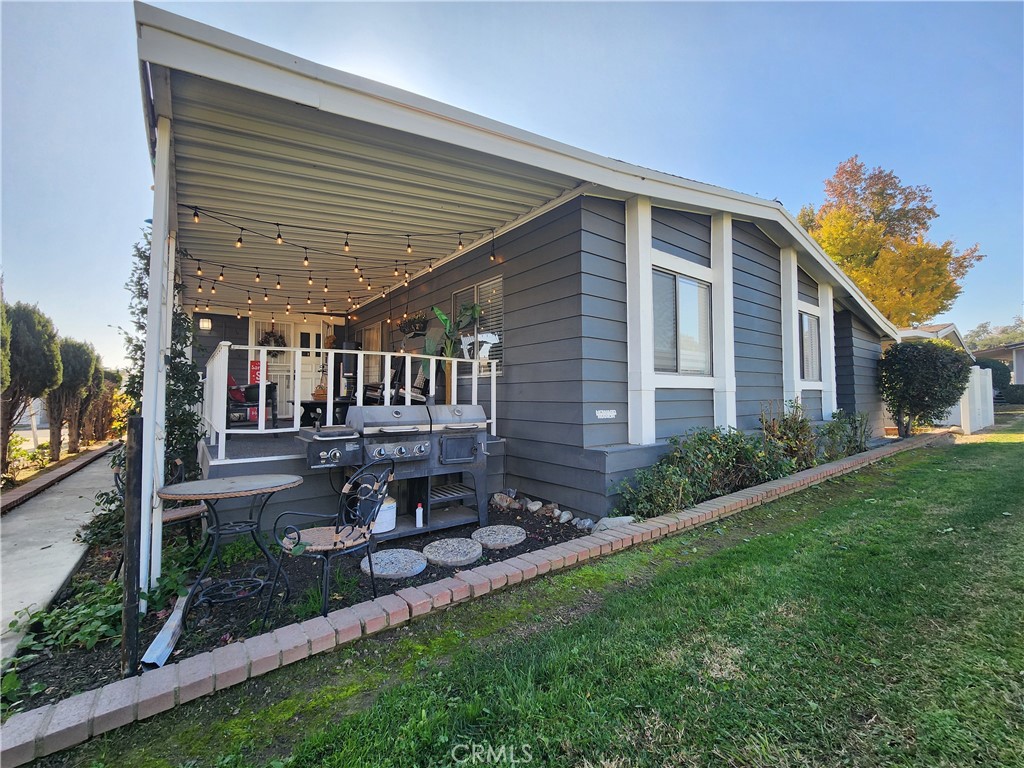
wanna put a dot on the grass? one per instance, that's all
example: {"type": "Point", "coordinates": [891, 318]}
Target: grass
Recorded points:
{"type": "Point", "coordinates": [873, 620]}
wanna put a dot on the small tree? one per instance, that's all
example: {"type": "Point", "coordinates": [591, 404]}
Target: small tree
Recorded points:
{"type": "Point", "coordinates": [1000, 371]}
{"type": "Point", "coordinates": [78, 361]}
{"type": "Point", "coordinates": [35, 366]}
{"type": "Point", "coordinates": [922, 380]}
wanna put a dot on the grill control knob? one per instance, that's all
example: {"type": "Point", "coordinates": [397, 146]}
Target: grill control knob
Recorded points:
{"type": "Point", "coordinates": [420, 449]}
{"type": "Point", "coordinates": [401, 450]}
{"type": "Point", "coordinates": [380, 453]}
{"type": "Point", "coordinates": [334, 455]}
{"type": "Point", "coordinates": [323, 454]}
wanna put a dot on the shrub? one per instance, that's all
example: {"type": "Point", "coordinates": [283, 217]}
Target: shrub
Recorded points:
{"type": "Point", "coordinates": [661, 488]}
{"type": "Point", "coordinates": [845, 435]}
{"type": "Point", "coordinates": [792, 430]}
{"type": "Point", "coordinates": [1000, 371]}
{"type": "Point", "coordinates": [922, 380]}
{"type": "Point", "coordinates": [1014, 394]}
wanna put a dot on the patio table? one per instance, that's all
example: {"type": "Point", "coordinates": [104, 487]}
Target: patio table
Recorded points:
{"type": "Point", "coordinates": [257, 488]}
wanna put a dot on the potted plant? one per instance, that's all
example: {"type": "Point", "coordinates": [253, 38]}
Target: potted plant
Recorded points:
{"type": "Point", "coordinates": [272, 339]}
{"type": "Point", "coordinates": [450, 339]}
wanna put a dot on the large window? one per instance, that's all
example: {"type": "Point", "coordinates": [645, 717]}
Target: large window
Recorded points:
{"type": "Point", "coordinates": [682, 324]}
{"type": "Point", "coordinates": [485, 341]}
{"type": "Point", "coordinates": [810, 348]}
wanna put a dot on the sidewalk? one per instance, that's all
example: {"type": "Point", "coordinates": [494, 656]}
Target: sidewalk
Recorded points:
{"type": "Point", "coordinates": [38, 552]}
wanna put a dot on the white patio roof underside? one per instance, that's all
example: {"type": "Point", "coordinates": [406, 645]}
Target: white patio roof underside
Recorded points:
{"type": "Point", "coordinates": [250, 161]}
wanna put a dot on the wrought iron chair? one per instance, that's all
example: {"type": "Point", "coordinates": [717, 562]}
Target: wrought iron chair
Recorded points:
{"type": "Point", "coordinates": [344, 532]}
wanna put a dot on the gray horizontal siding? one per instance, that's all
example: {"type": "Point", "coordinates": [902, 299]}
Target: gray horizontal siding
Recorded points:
{"type": "Point", "coordinates": [757, 323]}
{"type": "Point", "coordinates": [686, 235]}
{"type": "Point", "coordinates": [857, 352]}
{"type": "Point", "coordinates": [806, 288]}
{"type": "Point", "coordinates": [810, 399]}
{"type": "Point", "coordinates": [677, 411]}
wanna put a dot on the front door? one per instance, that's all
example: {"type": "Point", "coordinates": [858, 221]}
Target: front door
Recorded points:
{"type": "Point", "coordinates": [311, 337]}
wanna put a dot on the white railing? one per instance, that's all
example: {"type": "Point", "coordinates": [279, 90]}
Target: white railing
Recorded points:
{"type": "Point", "coordinates": [215, 390]}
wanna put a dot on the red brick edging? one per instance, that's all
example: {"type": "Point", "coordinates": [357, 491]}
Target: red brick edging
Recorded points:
{"type": "Point", "coordinates": [54, 727]}
{"type": "Point", "coordinates": [37, 485]}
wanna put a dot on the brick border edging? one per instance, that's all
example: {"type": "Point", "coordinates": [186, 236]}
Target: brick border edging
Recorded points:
{"type": "Point", "coordinates": [54, 727]}
{"type": "Point", "coordinates": [17, 496]}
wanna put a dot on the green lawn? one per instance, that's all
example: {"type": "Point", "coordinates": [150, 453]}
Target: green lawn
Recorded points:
{"type": "Point", "coordinates": [874, 620]}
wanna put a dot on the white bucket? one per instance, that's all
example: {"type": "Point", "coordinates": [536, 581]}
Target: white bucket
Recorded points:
{"type": "Point", "coordinates": [386, 517]}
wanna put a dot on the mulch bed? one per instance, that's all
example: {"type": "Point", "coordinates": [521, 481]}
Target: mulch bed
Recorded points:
{"type": "Point", "coordinates": [64, 673]}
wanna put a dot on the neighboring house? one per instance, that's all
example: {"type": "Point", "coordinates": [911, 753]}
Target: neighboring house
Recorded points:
{"type": "Point", "coordinates": [628, 305]}
{"type": "Point", "coordinates": [975, 410]}
{"type": "Point", "coordinates": [1011, 354]}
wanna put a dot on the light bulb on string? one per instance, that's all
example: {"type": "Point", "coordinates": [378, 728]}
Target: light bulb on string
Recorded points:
{"type": "Point", "coordinates": [199, 269]}
{"type": "Point", "coordinates": [213, 288]}
{"type": "Point", "coordinates": [207, 306]}
{"type": "Point", "coordinates": [288, 306]}
{"type": "Point", "coordinates": [492, 245]}
{"type": "Point", "coordinates": [430, 266]}
{"type": "Point", "coordinates": [200, 286]}
{"type": "Point", "coordinates": [238, 315]}
{"type": "Point", "coordinates": [396, 269]}
{"type": "Point", "coordinates": [278, 286]}
{"type": "Point", "coordinates": [356, 268]}
{"type": "Point", "coordinates": [221, 275]}
{"type": "Point", "coordinates": [272, 320]}
{"type": "Point", "coordinates": [279, 240]}
{"type": "Point", "coordinates": [257, 274]}
{"type": "Point", "coordinates": [360, 277]}
{"type": "Point", "coordinates": [350, 297]}
{"type": "Point", "coordinates": [250, 311]}
{"type": "Point", "coordinates": [195, 215]}
{"type": "Point", "coordinates": [265, 296]}
{"type": "Point", "coordinates": [308, 300]}
{"type": "Point", "coordinates": [303, 318]}
{"type": "Point", "coordinates": [305, 257]}
{"type": "Point", "coordinates": [325, 285]}
{"type": "Point", "coordinates": [408, 244]}
{"type": "Point", "coordinates": [345, 246]}
{"type": "Point", "coordinates": [248, 298]}
{"type": "Point", "coordinates": [238, 242]}
{"type": "Point", "coordinates": [406, 266]}
{"type": "Point", "coordinates": [461, 246]}
{"type": "Point", "coordinates": [325, 307]}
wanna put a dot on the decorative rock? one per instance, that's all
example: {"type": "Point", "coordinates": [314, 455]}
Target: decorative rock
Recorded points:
{"type": "Point", "coordinates": [395, 564]}
{"type": "Point", "coordinates": [612, 522]}
{"type": "Point", "coordinates": [583, 523]}
{"type": "Point", "coordinates": [499, 536]}
{"type": "Point", "coordinates": [453, 552]}
{"type": "Point", "coordinates": [534, 506]}
{"type": "Point", "coordinates": [565, 516]}
{"type": "Point", "coordinates": [551, 510]}
{"type": "Point", "coordinates": [502, 500]}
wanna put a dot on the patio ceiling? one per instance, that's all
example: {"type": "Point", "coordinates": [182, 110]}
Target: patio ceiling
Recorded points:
{"type": "Point", "coordinates": [250, 161]}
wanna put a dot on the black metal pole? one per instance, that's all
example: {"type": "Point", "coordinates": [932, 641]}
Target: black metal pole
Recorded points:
{"type": "Point", "coordinates": [132, 544]}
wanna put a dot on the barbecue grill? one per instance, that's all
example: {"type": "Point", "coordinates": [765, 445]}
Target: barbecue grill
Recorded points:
{"type": "Point", "coordinates": [425, 442]}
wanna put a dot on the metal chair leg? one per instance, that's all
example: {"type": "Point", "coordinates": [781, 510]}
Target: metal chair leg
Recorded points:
{"type": "Point", "coordinates": [270, 597]}
{"type": "Point", "coordinates": [373, 579]}
{"type": "Point", "coordinates": [325, 585]}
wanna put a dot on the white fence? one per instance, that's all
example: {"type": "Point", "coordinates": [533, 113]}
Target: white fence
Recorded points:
{"type": "Point", "coordinates": [215, 393]}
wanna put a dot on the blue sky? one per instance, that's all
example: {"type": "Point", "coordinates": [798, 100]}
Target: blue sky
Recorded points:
{"type": "Point", "coordinates": [764, 98]}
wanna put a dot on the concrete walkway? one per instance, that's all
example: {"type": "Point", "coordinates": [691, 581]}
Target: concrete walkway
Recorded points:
{"type": "Point", "coordinates": [38, 551]}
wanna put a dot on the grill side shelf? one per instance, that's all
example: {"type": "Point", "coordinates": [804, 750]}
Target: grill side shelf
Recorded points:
{"type": "Point", "coordinates": [452, 492]}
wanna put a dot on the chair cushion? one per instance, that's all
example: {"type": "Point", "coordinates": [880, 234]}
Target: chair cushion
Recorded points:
{"type": "Point", "coordinates": [234, 391]}
{"type": "Point", "coordinates": [328, 539]}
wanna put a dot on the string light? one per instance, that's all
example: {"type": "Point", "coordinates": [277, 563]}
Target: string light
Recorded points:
{"type": "Point", "coordinates": [408, 244]}
{"type": "Point", "coordinates": [199, 269]}
{"type": "Point", "coordinates": [396, 268]}
{"type": "Point", "coordinates": [325, 285]}
{"type": "Point", "coordinates": [221, 275]}
{"type": "Point", "coordinates": [309, 280]}
{"type": "Point", "coordinates": [350, 297]}
{"type": "Point", "coordinates": [406, 266]}
{"type": "Point", "coordinates": [265, 297]}
{"type": "Point", "coordinates": [430, 266]}
{"type": "Point", "coordinates": [305, 256]}
{"type": "Point", "coordinates": [492, 245]}
{"type": "Point", "coordinates": [250, 311]}
{"type": "Point", "coordinates": [207, 306]}
{"type": "Point", "coordinates": [308, 300]}
{"type": "Point", "coordinates": [213, 288]}
{"type": "Point", "coordinates": [303, 318]}
{"type": "Point", "coordinates": [345, 246]}
{"type": "Point", "coordinates": [238, 315]}
{"type": "Point", "coordinates": [288, 306]}
{"type": "Point", "coordinates": [272, 320]}
{"type": "Point", "coordinates": [278, 283]}
{"type": "Point", "coordinates": [257, 274]}
{"type": "Point", "coordinates": [461, 246]}
{"type": "Point", "coordinates": [279, 240]}
{"type": "Point", "coordinates": [248, 298]}
{"type": "Point", "coordinates": [195, 215]}
{"type": "Point", "coordinates": [356, 268]}
{"type": "Point", "coordinates": [238, 242]}
{"type": "Point", "coordinates": [325, 307]}
{"type": "Point", "coordinates": [360, 277]}
{"type": "Point", "coordinates": [200, 286]}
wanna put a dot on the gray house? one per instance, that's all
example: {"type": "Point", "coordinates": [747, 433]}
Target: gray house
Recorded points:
{"type": "Point", "coordinates": [622, 306]}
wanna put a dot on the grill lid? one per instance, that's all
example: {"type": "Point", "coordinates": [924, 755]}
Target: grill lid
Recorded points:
{"type": "Point", "coordinates": [388, 419]}
{"type": "Point", "coordinates": [457, 417]}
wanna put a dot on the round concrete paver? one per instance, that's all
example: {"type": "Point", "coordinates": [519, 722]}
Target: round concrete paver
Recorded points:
{"type": "Point", "coordinates": [499, 536]}
{"type": "Point", "coordinates": [395, 564]}
{"type": "Point", "coordinates": [453, 552]}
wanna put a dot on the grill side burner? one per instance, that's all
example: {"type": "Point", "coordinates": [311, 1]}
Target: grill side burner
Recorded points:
{"type": "Point", "coordinates": [331, 447]}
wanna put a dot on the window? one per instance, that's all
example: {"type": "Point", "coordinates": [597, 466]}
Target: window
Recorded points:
{"type": "Point", "coordinates": [485, 341]}
{"type": "Point", "coordinates": [682, 324]}
{"type": "Point", "coordinates": [810, 348]}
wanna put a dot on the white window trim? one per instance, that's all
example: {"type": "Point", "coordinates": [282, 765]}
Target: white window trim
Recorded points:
{"type": "Point", "coordinates": [813, 311]}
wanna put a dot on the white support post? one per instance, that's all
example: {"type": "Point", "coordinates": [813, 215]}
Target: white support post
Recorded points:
{"type": "Point", "coordinates": [723, 336]}
{"type": "Point", "coordinates": [640, 322]}
{"type": "Point", "coordinates": [790, 326]}
{"type": "Point", "coordinates": [827, 332]}
{"type": "Point", "coordinates": [154, 383]}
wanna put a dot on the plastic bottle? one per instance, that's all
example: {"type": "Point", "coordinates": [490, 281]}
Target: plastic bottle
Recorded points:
{"type": "Point", "coordinates": [419, 515]}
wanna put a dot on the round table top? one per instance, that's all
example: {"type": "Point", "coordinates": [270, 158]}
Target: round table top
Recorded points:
{"type": "Point", "coordinates": [228, 487]}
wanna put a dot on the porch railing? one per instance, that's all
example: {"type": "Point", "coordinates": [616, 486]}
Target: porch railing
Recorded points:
{"type": "Point", "coordinates": [215, 390]}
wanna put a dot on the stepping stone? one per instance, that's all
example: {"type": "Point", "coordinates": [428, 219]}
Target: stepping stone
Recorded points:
{"type": "Point", "coordinates": [395, 564]}
{"type": "Point", "coordinates": [453, 552]}
{"type": "Point", "coordinates": [499, 536]}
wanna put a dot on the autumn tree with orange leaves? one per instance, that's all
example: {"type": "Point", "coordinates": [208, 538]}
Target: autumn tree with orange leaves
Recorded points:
{"type": "Point", "coordinates": [876, 229]}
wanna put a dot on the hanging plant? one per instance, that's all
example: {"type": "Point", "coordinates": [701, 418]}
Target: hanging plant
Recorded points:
{"type": "Point", "coordinates": [272, 339]}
